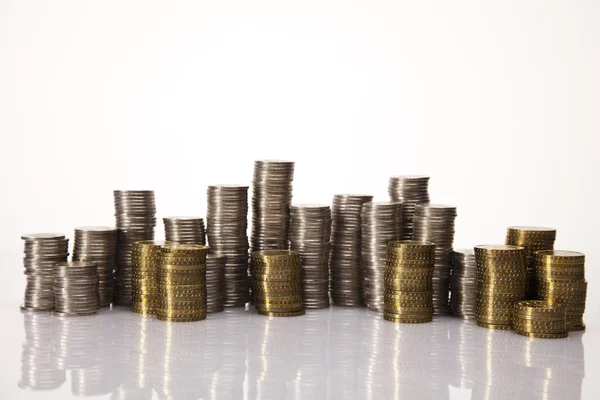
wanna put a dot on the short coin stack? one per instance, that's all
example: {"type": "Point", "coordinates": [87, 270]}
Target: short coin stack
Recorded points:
{"type": "Point", "coordinates": [561, 280]}
{"type": "Point", "coordinates": [500, 282]}
{"type": "Point", "coordinates": [345, 274]}
{"type": "Point", "coordinates": [407, 282]}
{"type": "Point", "coordinates": [410, 190]}
{"type": "Point", "coordinates": [277, 286]}
{"type": "Point", "coordinates": [98, 244]}
{"type": "Point", "coordinates": [76, 288]}
{"type": "Point", "coordinates": [540, 319]}
{"type": "Point", "coordinates": [381, 223]}
{"type": "Point", "coordinates": [215, 283]}
{"type": "Point", "coordinates": [146, 258]}
{"type": "Point", "coordinates": [181, 283]}
{"type": "Point", "coordinates": [185, 230]}
{"type": "Point", "coordinates": [463, 284]}
{"type": "Point", "coordinates": [310, 235]}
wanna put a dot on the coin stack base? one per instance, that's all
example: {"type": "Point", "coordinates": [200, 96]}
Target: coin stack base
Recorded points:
{"type": "Point", "coordinates": [410, 190]}
{"type": "Point", "coordinates": [146, 258]}
{"type": "Point", "coordinates": [76, 288]}
{"type": "Point", "coordinates": [215, 283]}
{"type": "Point", "coordinates": [540, 319]}
{"type": "Point", "coordinates": [463, 284]}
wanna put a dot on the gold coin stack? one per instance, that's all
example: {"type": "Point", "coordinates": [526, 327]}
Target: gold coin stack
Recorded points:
{"type": "Point", "coordinates": [560, 278]}
{"type": "Point", "coordinates": [181, 283]}
{"type": "Point", "coordinates": [277, 287]}
{"type": "Point", "coordinates": [145, 260]}
{"type": "Point", "coordinates": [408, 291]}
{"type": "Point", "coordinates": [540, 319]}
{"type": "Point", "coordinates": [500, 282]}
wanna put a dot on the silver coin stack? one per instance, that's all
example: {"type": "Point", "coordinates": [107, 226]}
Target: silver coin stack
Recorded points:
{"type": "Point", "coordinates": [463, 284]}
{"type": "Point", "coordinates": [310, 235]}
{"type": "Point", "coordinates": [187, 230]}
{"type": "Point", "coordinates": [410, 190]}
{"type": "Point", "coordinates": [76, 288]}
{"type": "Point", "coordinates": [381, 222]}
{"type": "Point", "coordinates": [98, 245]}
{"type": "Point", "coordinates": [226, 230]}
{"type": "Point", "coordinates": [135, 212]}
{"type": "Point", "coordinates": [435, 223]}
{"type": "Point", "coordinates": [215, 283]}
{"type": "Point", "coordinates": [42, 251]}
{"type": "Point", "coordinates": [345, 275]}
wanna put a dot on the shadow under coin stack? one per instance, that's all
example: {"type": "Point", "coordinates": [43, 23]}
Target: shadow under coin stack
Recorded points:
{"type": "Point", "coordinates": [410, 190]}
{"type": "Point", "coordinates": [407, 282]}
{"type": "Point", "coordinates": [185, 230]}
{"type": "Point", "coordinates": [76, 288]}
{"type": "Point", "coordinates": [561, 280]}
{"type": "Point", "coordinates": [277, 287]}
{"type": "Point", "coordinates": [463, 284]}
{"type": "Point", "coordinates": [135, 212]}
{"type": "Point", "coordinates": [215, 283]}
{"type": "Point", "coordinates": [540, 319]}
{"type": "Point", "coordinates": [310, 235]}
{"type": "Point", "coordinates": [146, 258]}
{"type": "Point", "coordinates": [181, 283]}
{"type": "Point", "coordinates": [98, 245]}
{"type": "Point", "coordinates": [501, 281]}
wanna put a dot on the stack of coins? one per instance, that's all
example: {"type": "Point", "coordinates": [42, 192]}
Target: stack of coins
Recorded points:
{"type": "Point", "coordinates": [185, 230]}
{"type": "Point", "coordinates": [381, 223]}
{"type": "Point", "coordinates": [407, 281]}
{"type": "Point", "coordinates": [146, 258]}
{"type": "Point", "coordinates": [410, 190]}
{"type": "Point", "coordinates": [345, 274]}
{"type": "Point", "coordinates": [227, 223]}
{"type": "Point", "coordinates": [135, 212]}
{"type": "Point", "coordinates": [98, 244]}
{"type": "Point", "coordinates": [310, 235]}
{"type": "Point", "coordinates": [561, 279]}
{"type": "Point", "coordinates": [435, 223]}
{"type": "Point", "coordinates": [501, 281]}
{"type": "Point", "coordinates": [277, 287]}
{"type": "Point", "coordinates": [181, 283]}
{"type": "Point", "coordinates": [540, 319]}
{"type": "Point", "coordinates": [532, 239]}
{"type": "Point", "coordinates": [215, 283]}
{"type": "Point", "coordinates": [76, 288]}
{"type": "Point", "coordinates": [42, 252]}
{"type": "Point", "coordinates": [463, 284]}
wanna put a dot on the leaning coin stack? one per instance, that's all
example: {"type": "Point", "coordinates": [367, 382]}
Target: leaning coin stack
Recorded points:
{"type": "Point", "coordinates": [501, 281]}
{"type": "Point", "coordinates": [463, 284]}
{"type": "Point", "coordinates": [407, 282]}
{"type": "Point", "coordinates": [181, 283]}
{"type": "Point", "coordinates": [146, 258]}
{"type": "Point", "coordinates": [561, 280]}
{"type": "Point", "coordinates": [540, 319]}
{"type": "Point", "coordinates": [381, 223]}
{"type": "Point", "coordinates": [532, 239]}
{"type": "Point", "coordinates": [42, 251]}
{"type": "Point", "coordinates": [410, 190]}
{"type": "Point", "coordinates": [185, 230]}
{"type": "Point", "coordinates": [98, 244]}
{"type": "Point", "coordinates": [345, 274]}
{"type": "Point", "coordinates": [227, 223]}
{"type": "Point", "coordinates": [277, 286]}
{"type": "Point", "coordinates": [310, 235]}
{"type": "Point", "coordinates": [135, 212]}
{"type": "Point", "coordinates": [215, 283]}
{"type": "Point", "coordinates": [435, 223]}
{"type": "Point", "coordinates": [76, 288]}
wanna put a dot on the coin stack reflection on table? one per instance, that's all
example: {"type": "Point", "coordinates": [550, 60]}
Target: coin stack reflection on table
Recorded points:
{"type": "Point", "coordinates": [215, 283]}
{"type": "Point", "coordinates": [463, 284]}
{"type": "Point", "coordinates": [146, 259]}
{"type": "Point", "coordinates": [277, 287]}
{"type": "Point", "coordinates": [185, 230]}
{"type": "Point", "coordinates": [407, 281]}
{"type": "Point", "coordinates": [76, 288]}
{"type": "Point", "coordinates": [410, 190]}
{"type": "Point", "coordinates": [540, 319]}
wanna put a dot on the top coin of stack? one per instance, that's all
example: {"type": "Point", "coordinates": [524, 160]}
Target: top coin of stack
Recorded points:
{"type": "Point", "coordinates": [463, 284]}
{"type": "Point", "coordinates": [185, 230]}
{"type": "Point", "coordinates": [76, 288]}
{"type": "Point", "coordinates": [540, 319]}
{"type": "Point", "coordinates": [410, 190]}
{"type": "Point", "coordinates": [146, 258]}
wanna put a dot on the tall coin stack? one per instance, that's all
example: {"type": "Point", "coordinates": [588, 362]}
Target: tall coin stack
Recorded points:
{"type": "Point", "coordinates": [215, 283]}
{"type": "Point", "coordinates": [463, 284]}
{"type": "Point", "coordinates": [310, 235]}
{"type": "Point", "coordinates": [435, 223]}
{"type": "Point", "coordinates": [410, 190]}
{"type": "Point", "coordinates": [181, 283]}
{"type": "Point", "coordinates": [407, 282]}
{"type": "Point", "coordinates": [76, 288]}
{"type": "Point", "coordinates": [561, 280]}
{"type": "Point", "coordinates": [227, 223]}
{"type": "Point", "coordinates": [345, 274]}
{"type": "Point", "coordinates": [501, 281]}
{"type": "Point", "coordinates": [135, 213]}
{"type": "Point", "coordinates": [277, 286]}
{"type": "Point", "coordinates": [381, 223]}
{"type": "Point", "coordinates": [98, 244]}
{"type": "Point", "coordinates": [185, 230]}
{"type": "Point", "coordinates": [540, 319]}
{"type": "Point", "coordinates": [146, 258]}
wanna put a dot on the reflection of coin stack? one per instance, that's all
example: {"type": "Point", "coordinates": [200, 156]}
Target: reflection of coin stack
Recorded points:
{"type": "Point", "coordinates": [561, 279]}
{"type": "Point", "coordinates": [342, 357]}
{"type": "Point", "coordinates": [310, 235]}
{"type": "Point", "coordinates": [461, 339]}
{"type": "Point", "coordinates": [345, 274]}
{"type": "Point", "coordinates": [373, 349]}
{"type": "Point", "coordinates": [540, 319]}
{"type": "Point", "coordinates": [410, 191]}
{"type": "Point", "coordinates": [463, 284]}
{"type": "Point", "coordinates": [500, 282]}
{"type": "Point", "coordinates": [76, 288]}
{"type": "Point", "coordinates": [42, 251]}
{"type": "Point", "coordinates": [145, 259]}
{"type": "Point", "coordinates": [73, 340]}
{"type": "Point", "coordinates": [185, 230]}
{"type": "Point", "coordinates": [215, 283]}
